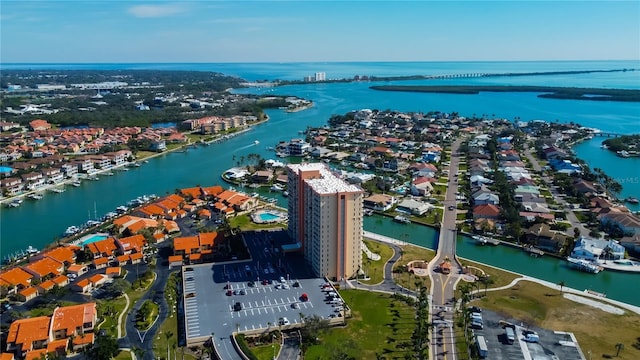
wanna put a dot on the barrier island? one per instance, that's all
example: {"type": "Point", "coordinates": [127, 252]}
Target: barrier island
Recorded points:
{"type": "Point", "coordinates": [571, 93]}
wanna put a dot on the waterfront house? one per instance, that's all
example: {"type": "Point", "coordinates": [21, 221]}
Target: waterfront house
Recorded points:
{"type": "Point", "coordinates": [12, 186]}
{"type": "Point", "coordinates": [544, 238]}
{"type": "Point", "coordinates": [414, 207]}
{"type": "Point", "coordinates": [627, 222]}
{"type": "Point", "coordinates": [631, 243]}
{"type": "Point", "coordinates": [62, 254]}
{"type": "Point", "coordinates": [486, 211]}
{"type": "Point", "coordinates": [591, 249]}
{"type": "Point", "coordinates": [379, 202]}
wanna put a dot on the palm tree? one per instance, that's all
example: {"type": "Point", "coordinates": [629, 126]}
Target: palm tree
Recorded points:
{"type": "Point", "coordinates": [619, 347]}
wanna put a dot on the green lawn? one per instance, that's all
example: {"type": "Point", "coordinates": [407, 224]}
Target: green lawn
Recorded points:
{"type": "Point", "coordinates": [244, 222]}
{"type": "Point", "coordinates": [378, 325]}
{"type": "Point", "coordinates": [109, 311]}
{"type": "Point", "coordinates": [375, 269]}
{"type": "Point", "coordinates": [123, 355]}
{"type": "Point", "coordinates": [146, 315]}
{"type": "Point", "coordinates": [265, 352]}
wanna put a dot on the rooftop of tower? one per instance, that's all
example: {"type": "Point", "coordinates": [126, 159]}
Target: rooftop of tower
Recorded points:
{"type": "Point", "coordinates": [328, 183]}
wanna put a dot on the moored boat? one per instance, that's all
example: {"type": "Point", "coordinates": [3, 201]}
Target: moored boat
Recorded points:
{"type": "Point", "coordinates": [402, 219]}
{"type": "Point", "coordinates": [584, 265]}
{"type": "Point", "coordinates": [632, 200]}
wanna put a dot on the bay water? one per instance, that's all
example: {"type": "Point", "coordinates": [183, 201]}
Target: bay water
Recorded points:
{"type": "Point", "coordinates": [39, 223]}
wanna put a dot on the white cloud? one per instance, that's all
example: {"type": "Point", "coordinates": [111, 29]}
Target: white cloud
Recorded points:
{"type": "Point", "coordinates": [153, 11]}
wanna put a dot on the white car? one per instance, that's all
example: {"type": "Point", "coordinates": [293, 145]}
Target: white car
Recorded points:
{"type": "Point", "coordinates": [284, 321]}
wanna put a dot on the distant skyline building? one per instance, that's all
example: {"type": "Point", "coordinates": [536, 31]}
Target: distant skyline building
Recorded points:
{"type": "Point", "coordinates": [325, 216]}
{"type": "Point", "coordinates": [321, 76]}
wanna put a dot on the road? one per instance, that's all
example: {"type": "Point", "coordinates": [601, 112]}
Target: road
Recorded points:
{"type": "Point", "coordinates": [443, 285]}
{"type": "Point", "coordinates": [557, 196]}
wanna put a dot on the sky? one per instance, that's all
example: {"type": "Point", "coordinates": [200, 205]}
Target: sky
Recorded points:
{"type": "Point", "coordinates": [121, 31]}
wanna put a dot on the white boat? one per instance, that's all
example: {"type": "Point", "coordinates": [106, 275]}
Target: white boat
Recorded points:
{"type": "Point", "coordinates": [367, 212]}
{"type": "Point", "coordinates": [71, 230]}
{"type": "Point", "coordinates": [276, 187]}
{"type": "Point", "coordinates": [256, 142]}
{"type": "Point", "coordinates": [15, 203]}
{"type": "Point", "coordinates": [584, 265]}
{"type": "Point", "coordinates": [76, 183]}
{"type": "Point", "coordinates": [285, 193]}
{"type": "Point", "coordinates": [483, 240]}
{"type": "Point", "coordinates": [35, 196]}
{"type": "Point", "coordinates": [57, 190]}
{"type": "Point", "coordinates": [623, 153]}
{"type": "Point", "coordinates": [402, 219]}
{"type": "Point", "coordinates": [31, 250]}
{"type": "Point", "coordinates": [122, 209]}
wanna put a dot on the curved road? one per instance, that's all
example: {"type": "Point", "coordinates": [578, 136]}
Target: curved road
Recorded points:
{"type": "Point", "coordinates": [144, 340]}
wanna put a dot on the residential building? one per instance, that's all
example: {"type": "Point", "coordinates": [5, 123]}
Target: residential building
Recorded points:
{"type": "Point", "coordinates": [379, 202]}
{"type": "Point", "coordinates": [325, 217]}
{"type": "Point", "coordinates": [591, 249]}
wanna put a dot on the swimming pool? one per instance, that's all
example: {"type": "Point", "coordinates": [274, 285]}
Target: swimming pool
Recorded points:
{"type": "Point", "coordinates": [5, 169]}
{"type": "Point", "coordinates": [93, 238]}
{"type": "Point", "coordinates": [268, 217]}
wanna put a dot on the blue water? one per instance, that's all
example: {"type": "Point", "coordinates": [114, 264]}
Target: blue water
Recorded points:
{"type": "Point", "coordinates": [204, 165]}
{"type": "Point", "coordinates": [94, 238]}
{"type": "Point", "coordinates": [5, 169]}
{"type": "Point", "coordinates": [265, 216]}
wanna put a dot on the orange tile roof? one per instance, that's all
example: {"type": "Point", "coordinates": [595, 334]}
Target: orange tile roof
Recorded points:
{"type": "Point", "coordinates": [47, 285]}
{"type": "Point", "coordinates": [208, 238]}
{"type": "Point", "coordinates": [35, 354]}
{"type": "Point", "coordinates": [196, 256]}
{"type": "Point", "coordinates": [170, 226]}
{"type": "Point", "coordinates": [204, 213]}
{"type": "Point", "coordinates": [106, 246]}
{"type": "Point", "coordinates": [186, 243]}
{"type": "Point", "coordinates": [135, 242]}
{"type": "Point", "coordinates": [55, 345]}
{"type": "Point", "coordinates": [60, 280]}
{"type": "Point", "coordinates": [83, 283]}
{"type": "Point", "coordinates": [25, 331]}
{"type": "Point", "coordinates": [212, 190]}
{"type": "Point", "coordinates": [152, 210]}
{"type": "Point", "coordinates": [7, 356]}
{"type": "Point", "coordinates": [114, 270]}
{"type": "Point", "coordinates": [76, 268]}
{"type": "Point", "coordinates": [123, 258]}
{"type": "Point", "coordinates": [63, 254]}
{"type": "Point", "coordinates": [69, 318]}
{"type": "Point", "coordinates": [27, 292]}
{"type": "Point", "coordinates": [122, 220]}
{"type": "Point", "coordinates": [86, 338]}
{"type": "Point", "coordinates": [193, 192]}
{"type": "Point", "coordinates": [45, 266]}
{"type": "Point", "coordinates": [101, 261]}
{"type": "Point", "coordinates": [136, 256]}
{"type": "Point", "coordinates": [16, 276]}
{"type": "Point", "coordinates": [175, 258]}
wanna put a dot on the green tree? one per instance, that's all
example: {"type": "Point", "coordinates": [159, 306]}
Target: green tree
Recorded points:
{"type": "Point", "coordinates": [105, 348]}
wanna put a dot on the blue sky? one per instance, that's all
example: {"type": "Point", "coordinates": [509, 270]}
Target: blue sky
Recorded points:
{"type": "Point", "coordinates": [292, 31]}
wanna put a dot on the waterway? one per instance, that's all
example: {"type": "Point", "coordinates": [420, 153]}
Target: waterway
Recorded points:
{"type": "Point", "coordinates": [38, 223]}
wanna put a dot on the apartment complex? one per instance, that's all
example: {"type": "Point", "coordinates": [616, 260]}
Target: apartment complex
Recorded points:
{"type": "Point", "coordinates": [325, 216]}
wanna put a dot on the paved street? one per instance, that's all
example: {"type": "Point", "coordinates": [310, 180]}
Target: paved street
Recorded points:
{"type": "Point", "coordinates": [443, 285]}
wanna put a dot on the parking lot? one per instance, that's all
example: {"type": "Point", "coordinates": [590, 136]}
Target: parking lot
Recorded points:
{"type": "Point", "coordinates": [552, 345]}
{"type": "Point", "coordinates": [272, 289]}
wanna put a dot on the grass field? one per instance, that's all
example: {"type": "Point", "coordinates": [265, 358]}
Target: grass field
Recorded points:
{"type": "Point", "coordinates": [379, 323]}
{"type": "Point", "coordinates": [244, 222]}
{"type": "Point", "coordinates": [265, 352]}
{"type": "Point", "coordinates": [375, 269]}
{"type": "Point", "coordinates": [411, 253]}
{"type": "Point", "coordinates": [596, 330]}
